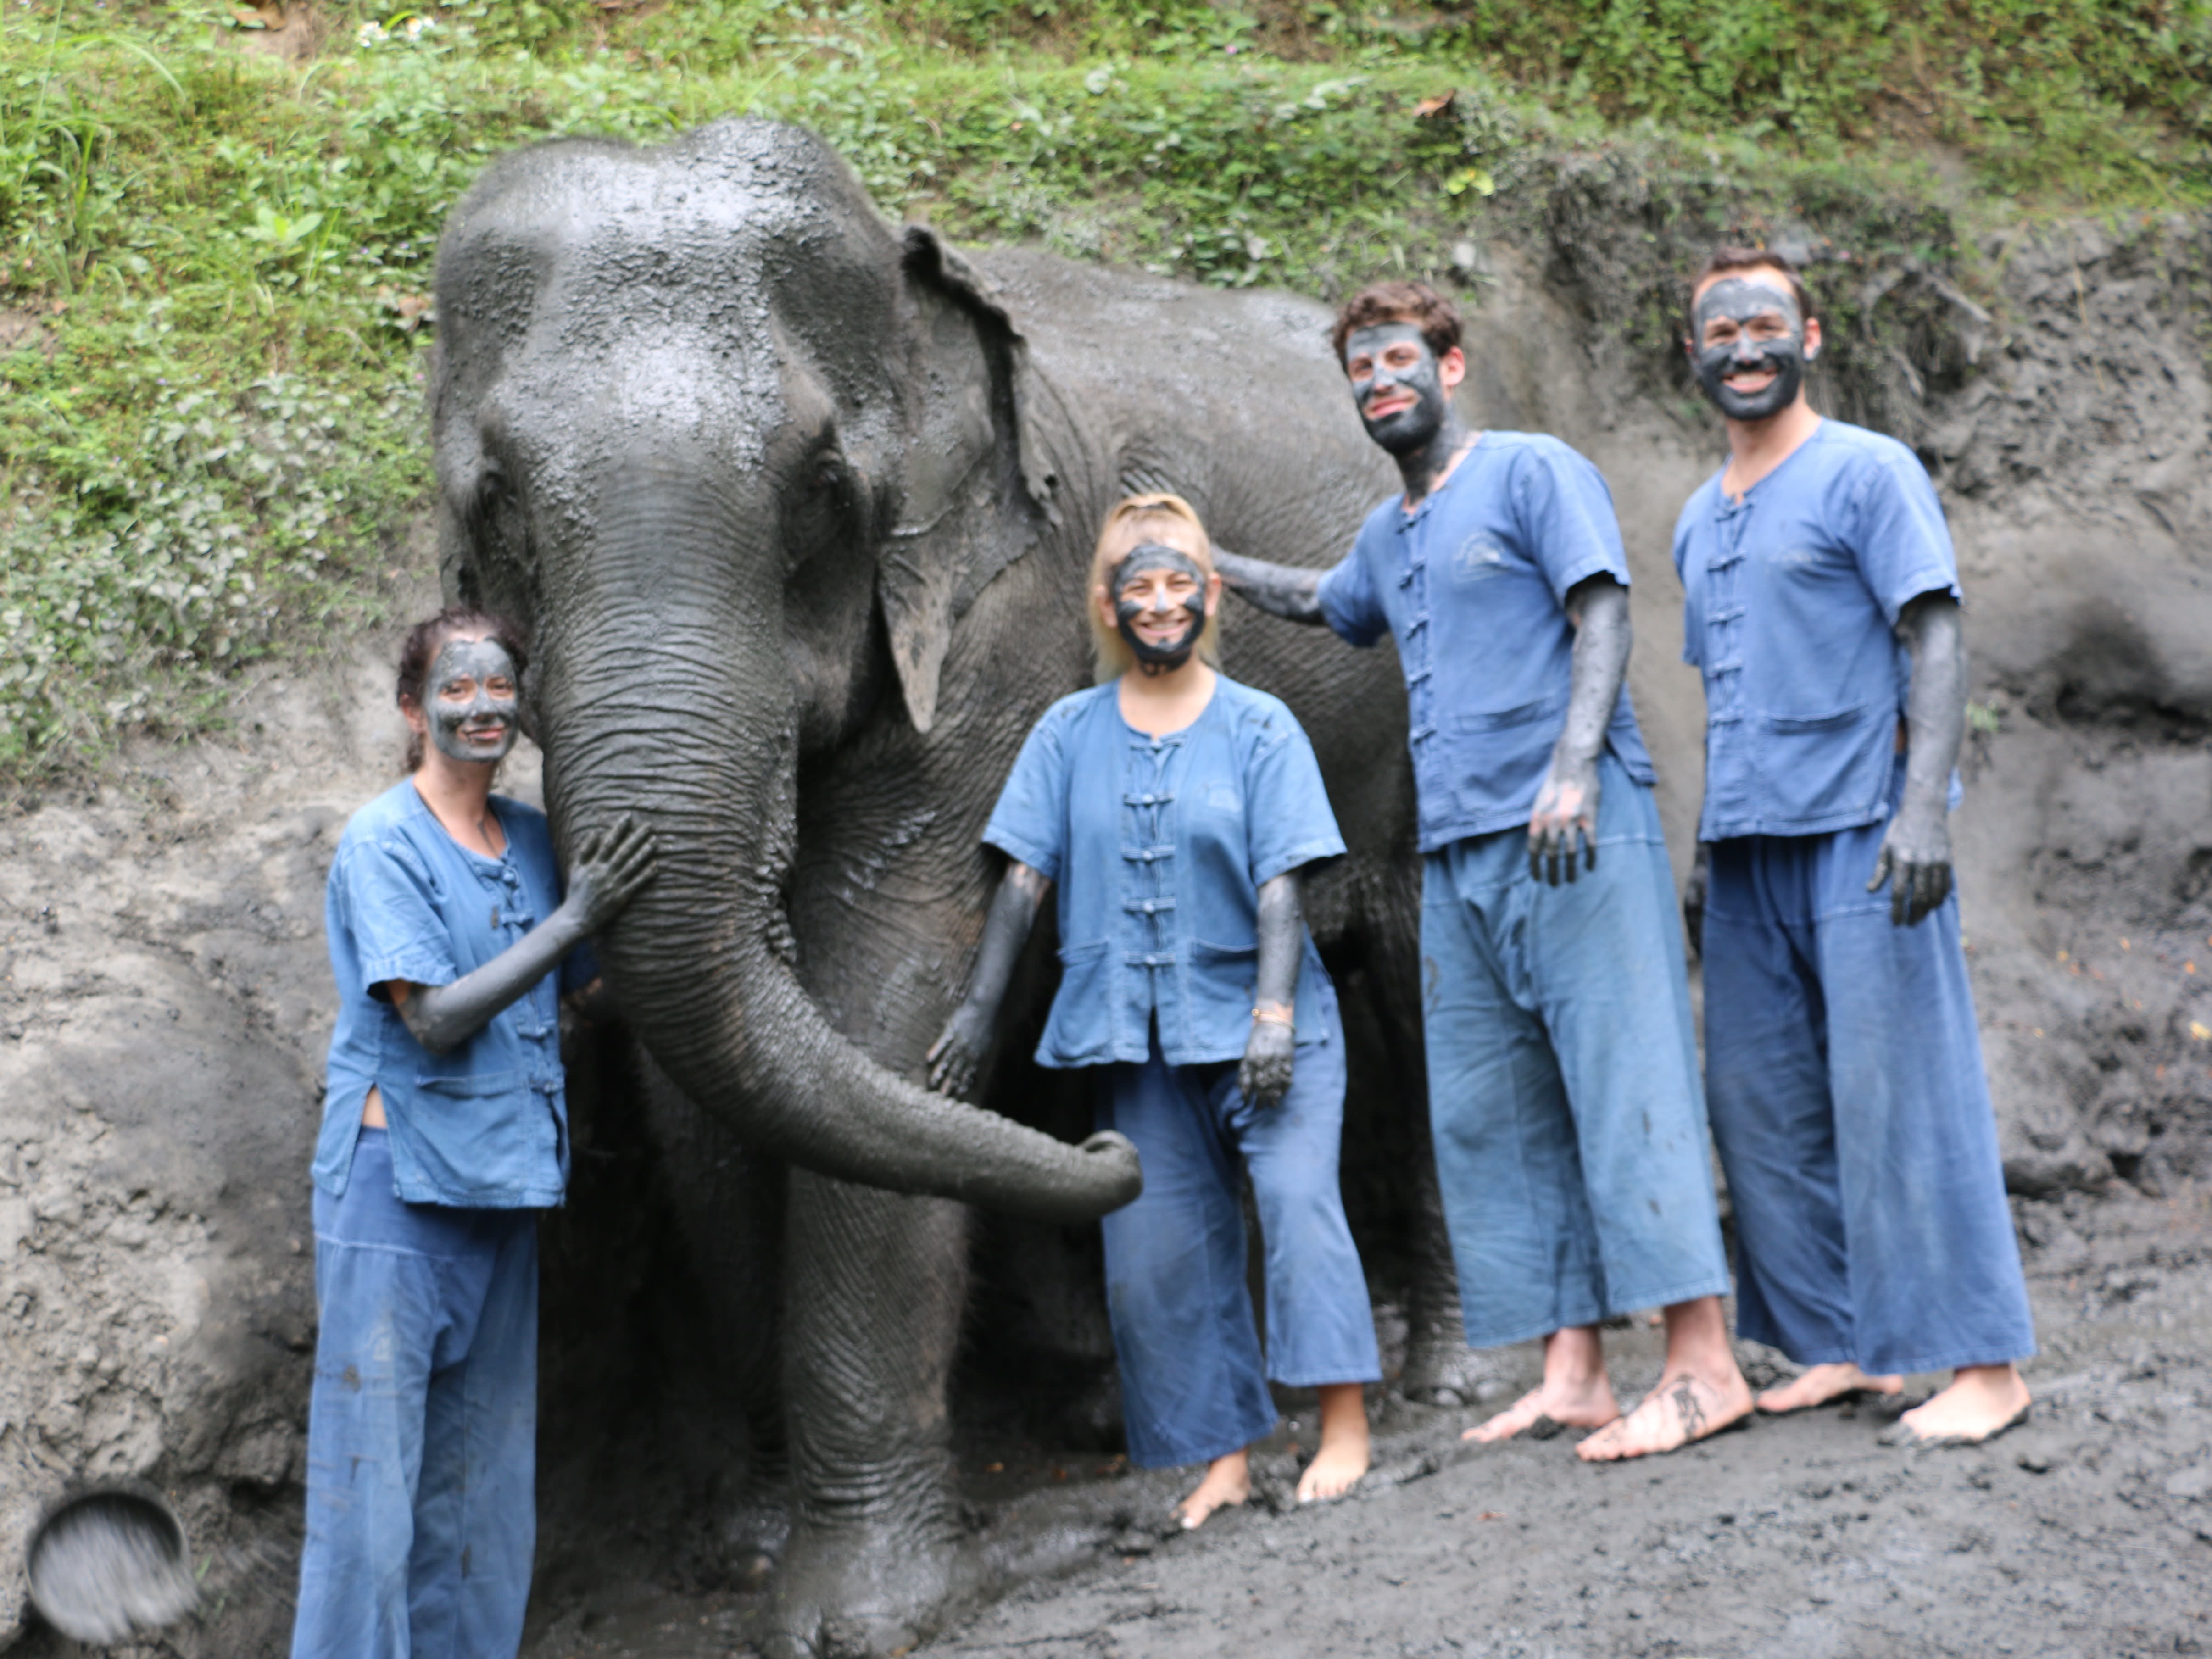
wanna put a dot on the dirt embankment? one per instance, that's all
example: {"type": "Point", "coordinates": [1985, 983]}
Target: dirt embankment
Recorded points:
{"type": "Point", "coordinates": [164, 1001]}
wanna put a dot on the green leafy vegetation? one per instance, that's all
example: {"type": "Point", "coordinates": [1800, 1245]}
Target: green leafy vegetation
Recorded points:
{"type": "Point", "coordinates": [217, 224]}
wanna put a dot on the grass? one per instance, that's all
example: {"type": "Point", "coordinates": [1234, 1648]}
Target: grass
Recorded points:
{"type": "Point", "coordinates": [214, 264]}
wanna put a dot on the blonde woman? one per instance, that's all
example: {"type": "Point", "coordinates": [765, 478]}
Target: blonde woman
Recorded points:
{"type": "Point", "coordinates": [1174, 810]}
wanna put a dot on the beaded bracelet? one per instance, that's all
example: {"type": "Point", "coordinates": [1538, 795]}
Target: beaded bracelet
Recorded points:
{"type": "Point", "coordinates": [1273, 1017]}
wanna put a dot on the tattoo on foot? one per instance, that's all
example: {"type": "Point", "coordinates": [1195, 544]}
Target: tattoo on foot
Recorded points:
{"type": "Point", "coordinates": [1687, 1408]}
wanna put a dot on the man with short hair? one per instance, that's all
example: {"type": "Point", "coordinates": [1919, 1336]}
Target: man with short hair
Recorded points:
{"type": "Point", "coordinates": [1563, 1085]}
{"type": "Point", "coordinates": [1842, 1060]}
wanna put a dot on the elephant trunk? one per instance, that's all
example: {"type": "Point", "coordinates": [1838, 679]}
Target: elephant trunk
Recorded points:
{"type": "Point", "coordinates": [673, 704]}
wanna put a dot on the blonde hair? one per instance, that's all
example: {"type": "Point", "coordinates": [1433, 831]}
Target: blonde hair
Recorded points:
{"type": "Point", "coordinates": [1110, 654]}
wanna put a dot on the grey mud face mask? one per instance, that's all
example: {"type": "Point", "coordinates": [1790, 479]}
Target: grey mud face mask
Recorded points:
{"type": "Point", "coordinates": [1152, 555]}
{"type": "Point", "coordinates": [1782, 355]}
{"type": "Point", "coordinates": [1403, 430]}
{"type": "Point", "coordinates": [485, 713]}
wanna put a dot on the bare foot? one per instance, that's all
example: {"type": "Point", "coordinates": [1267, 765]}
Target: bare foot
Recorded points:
{"type": "Point", "coordinates": [1574, 1394]}
{"type": "Point", "coordinates": [1981, 1403]}
{"type": "Point", "coordinates": [1681, 1409]}
{"type": "Point", "coordinates": [1589, 1408]}
{"type": "Point", "coordinates": [1228, 1482]}
{"type": "Point", "coordinates": [1342, 1460]}
{"type": "Point", "coordinates": [1822, 1384]}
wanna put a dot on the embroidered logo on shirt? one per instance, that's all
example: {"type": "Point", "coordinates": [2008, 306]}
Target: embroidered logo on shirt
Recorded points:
{"type": "Point", "coordinates": [1477, 557]}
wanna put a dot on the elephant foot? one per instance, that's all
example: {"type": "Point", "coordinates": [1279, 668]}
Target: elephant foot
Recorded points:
{"type": "Point", "coordinates": [1441, 1370]}
{"type": "Point", "coordinates": [750, 1538]}
{"type": "Point", "coordinates": [867, 1590]}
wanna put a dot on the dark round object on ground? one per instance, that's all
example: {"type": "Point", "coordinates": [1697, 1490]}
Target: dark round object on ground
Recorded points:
{"type": "Point", "coordinates": [109, 1563]}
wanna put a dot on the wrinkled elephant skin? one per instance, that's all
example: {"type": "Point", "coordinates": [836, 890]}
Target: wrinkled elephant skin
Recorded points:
{"type": "Point", "coordinates": [798, 506]}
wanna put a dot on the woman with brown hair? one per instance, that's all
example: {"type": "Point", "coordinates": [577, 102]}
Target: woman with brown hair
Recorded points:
{"type": "Point", "coordinates": [1175, 809]}
{"type": "Point", "coordinates": [445, 1131]}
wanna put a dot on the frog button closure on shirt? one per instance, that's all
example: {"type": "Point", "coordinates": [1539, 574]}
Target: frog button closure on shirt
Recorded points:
{"type": "Point", "coordinates": [1148, 878]}
{"type": "Point", "coordinates": [1413, 649]}
{"type": "Point", "coordinates": [1728, 767]}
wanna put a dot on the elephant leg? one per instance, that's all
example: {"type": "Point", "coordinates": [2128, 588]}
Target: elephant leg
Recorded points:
{"type": "Point", "coordinates": [1441, 1370]}
{"type": "Point", "coordinates": [878, 1554]}
{"type": "Point", "coordinates": [729, 1207]}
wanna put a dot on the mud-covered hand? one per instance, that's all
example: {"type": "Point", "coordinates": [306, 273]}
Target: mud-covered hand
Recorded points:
{"type": "Point", "coordinates": [1915, 854]}
{"type": "Point", "coordinates": [957, 1056]}
{"type": "Point", "coordinates": [1916, 861]}
{"type": "Point", "coordinates": [1281, 590]}
{"type": "Point", "coordinates": [1693, 899]}
{"type": "Point", "coordinates": [605, 876]}
{"type": "Point", "coordinates": [956, 1059]}
{"type": "Point", "coordinates": [1264, 1076]}
{"type": "Point", "coordinates": [607, 872]}
{"type": "Point", "coordinates": [1280, 929]}
{"type": "Point", "coordinates": [1563, 828]}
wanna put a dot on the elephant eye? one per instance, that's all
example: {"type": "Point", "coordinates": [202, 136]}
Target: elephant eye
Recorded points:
{"type": "Point", "coordinates": [496, 524]}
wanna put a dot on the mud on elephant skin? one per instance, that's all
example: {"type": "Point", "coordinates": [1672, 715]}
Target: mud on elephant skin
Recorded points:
{"type": "Point", "coordinates": [798, 506]}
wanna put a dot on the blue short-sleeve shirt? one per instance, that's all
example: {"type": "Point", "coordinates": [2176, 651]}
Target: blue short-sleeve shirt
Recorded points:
{"type": "Point", "coordinates": [485, 1126]}
{"type": "Point", "coordinates": [1790, 601]}
{"type": "Point", "coordinates": [1472, 584]}
{"type": "Point", "coordinates": [1158, 847]}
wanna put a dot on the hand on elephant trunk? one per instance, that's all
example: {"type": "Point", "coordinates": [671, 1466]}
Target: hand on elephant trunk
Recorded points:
{"type": "Point", "coordinates": [607, 874]}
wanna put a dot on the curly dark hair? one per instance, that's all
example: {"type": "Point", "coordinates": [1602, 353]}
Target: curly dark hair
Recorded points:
{"type": "Point", "coordinates": [1723, 260]}
{"type": "Point", "coordinates": [1417, 303]}
{"type": "Point", "coordinates": [428, 636]}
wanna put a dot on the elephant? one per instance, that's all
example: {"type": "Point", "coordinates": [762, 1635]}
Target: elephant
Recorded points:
{"type": "Point", "coordinates": [798, 506]}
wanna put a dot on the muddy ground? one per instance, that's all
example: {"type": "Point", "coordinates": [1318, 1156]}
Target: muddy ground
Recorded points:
{"type": "Point", "coordinates": [2085, 1535]}
{"type": "Point", "coordinates": [164, 1002]}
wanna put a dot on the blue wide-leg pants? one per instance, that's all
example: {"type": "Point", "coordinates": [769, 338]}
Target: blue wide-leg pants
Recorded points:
{"type": "Point", "coordinates": [1569, 1126]}
{"type": "Point", "coordinates": [1845, 1071]}
{"type": "Point", "coordinates": [422, 1427]}
{"type": "Point", "coordinates": [1193, 1385]}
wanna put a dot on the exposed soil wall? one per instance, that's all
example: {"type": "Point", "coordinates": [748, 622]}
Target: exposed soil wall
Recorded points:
{"type": "Point", "coordinates": [164, 997]}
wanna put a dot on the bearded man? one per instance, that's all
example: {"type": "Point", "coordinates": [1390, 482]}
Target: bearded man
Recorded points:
{"type": "Point", "coordinates": [1842, 1060]}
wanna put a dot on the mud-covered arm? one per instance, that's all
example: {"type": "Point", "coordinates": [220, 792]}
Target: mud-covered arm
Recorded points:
{"type": "Point", "coordinates": [1281, 590]}
{"type": "Point", "coordinates": [957, 1056]}
{"type": "Point", "coordinates": [1563, 828]}
{"type": "Point", "coordinates": [1915, 854]}
{"type": "Point", "coordinates": [607, 872]}
{"type": "Point", "coordinates": [1280, 927]}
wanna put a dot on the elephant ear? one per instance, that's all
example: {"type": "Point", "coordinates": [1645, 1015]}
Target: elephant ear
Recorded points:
{"type": "Point", "coordinates": [977, 474]}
